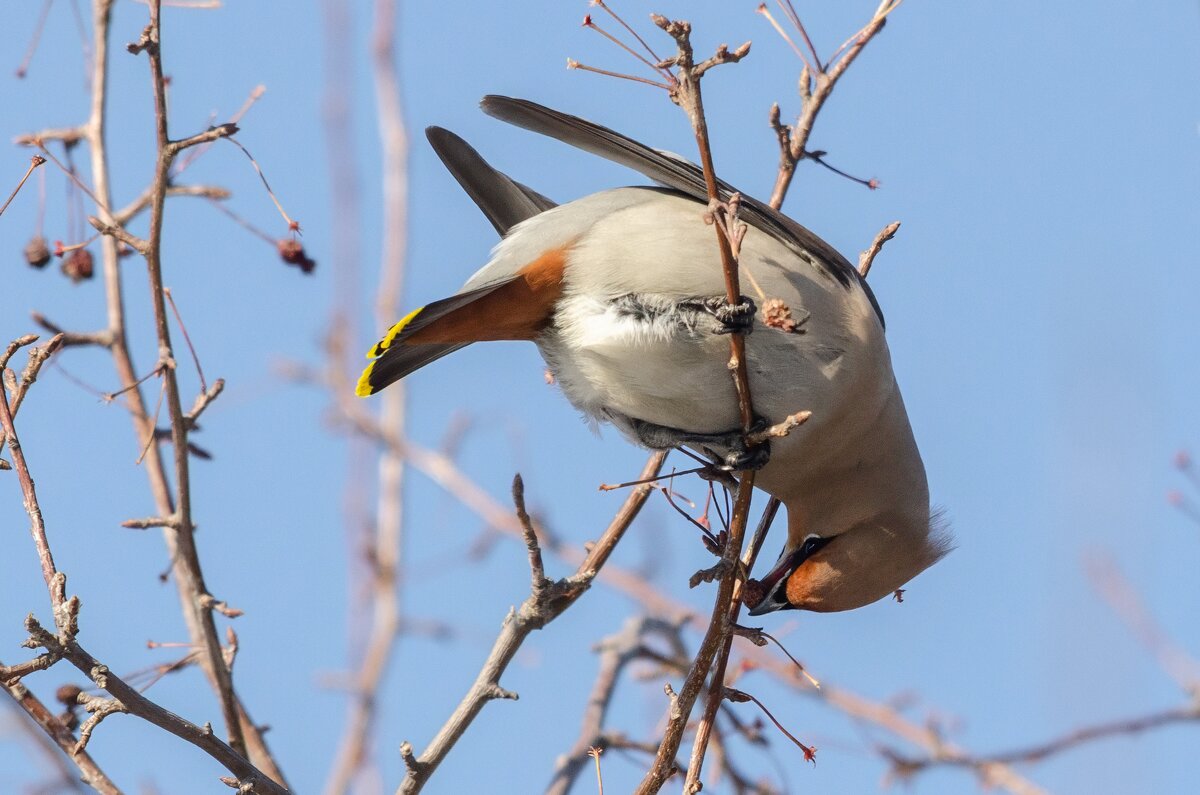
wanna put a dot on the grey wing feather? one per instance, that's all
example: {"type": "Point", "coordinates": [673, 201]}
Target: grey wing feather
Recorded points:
{"type": "Point", "coordinates": [675, 173]}
{"type": "Point", "coordinates": [503, 200]}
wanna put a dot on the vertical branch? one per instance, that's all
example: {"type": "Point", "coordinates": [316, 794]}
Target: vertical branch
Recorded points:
{"type": "Point", "coordinates": [386, 549]}
{"type": "Point", "coordinates": [338, 95]}
{"type": "Point", "coordinates": [177, 534]}
{"type": "Point", "coordinates": [725, 607]}
{"type": "Point", "coordinates": [187, 571]}
{"type": "Point", "coordinates": [716, 684]}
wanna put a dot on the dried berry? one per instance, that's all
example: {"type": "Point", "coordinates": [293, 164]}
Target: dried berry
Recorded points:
{"type": "Point", "coordinates": [753, 592]}
{"type": "Point", "coordinates": [78, 265]}
{"type": "Point", "coordinates": [68, 694]}
{"type": "Point", "coordinates": [292, 252]}
{"type": "Point", "coordinates": [777, 314]}
{"type": "Point", "coordinates": [37, 253]}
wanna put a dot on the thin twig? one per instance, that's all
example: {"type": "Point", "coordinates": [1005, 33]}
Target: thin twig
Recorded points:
{"type": "Point", "coordinates": [187, 339]}
{"type": "Point", "coordinates": [34, 38]}
{"type": "Point", "coordinates": [137, 206]}
{"type": "Point", "coordinates": [37, 524]}
{"type": "Point", "coordinates": [866, 258]}
{"type": "Point", "coordinates": [573, 64]}
{"type": "Point", "coordinates": [588, 22]}
{"type": "Point", "coordinates": [632, 32]}
{"type": "Point", "coordinates": [816, 84]}
{"type": "Point", "coordinates": [286, 218]}
{"type": "Point", "coordinates": [986, 765]}
{"type": "Point", "coordinates": [34, 162]}
{"type": "Point", "coordinates": [541, 607]}
{"type": "Point", "coordinates": [616, 652]}
{"type": "Point", "coordinates": [1125, 601]}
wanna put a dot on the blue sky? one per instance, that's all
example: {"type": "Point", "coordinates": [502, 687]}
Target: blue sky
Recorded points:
{"type": "Point", "coordinates": [1044, 160]}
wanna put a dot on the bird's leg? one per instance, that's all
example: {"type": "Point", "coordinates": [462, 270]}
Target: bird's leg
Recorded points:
{"type": "Point", "coordinates": [708, 314]}
{"type": "Point", "coordinates": [730, 318]}
{"type": "Point", "coordinates": [727, 449]}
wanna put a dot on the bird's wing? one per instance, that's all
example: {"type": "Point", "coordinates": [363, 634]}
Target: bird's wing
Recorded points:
{"type": "Point", "coordinates": [503, 200]}
{"type": "Point", "coordinates": [673, 172]}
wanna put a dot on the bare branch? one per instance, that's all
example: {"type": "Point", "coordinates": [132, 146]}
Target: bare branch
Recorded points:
{"type": "Point", "coordinates": [385, 548]}
{"type": "Point", "coordinates": [68, 135]}
{"type": "Point", "coordinates": [817, 82]}
{"type": "Point", "coordinates": [866, 258]}
{"type": "Point", "coordinates": [150, 521]}
{"type": "Point", "coordinates": [208, 136]}
{"type": "Point", "coordinates": [119, 232]}
{"type": "Point", "coordinates": [188, 574]}
{"type": "Point", "coordinates": [537, 571]}
{"type": "Point", "coordinates": [100, 708]}
{"type": "Point", "coordinates": [203, 400]}
{"type": "Point", "coordinates": [102, 339]}
{"type": "Point", "coordinates": [988, 766]}
{"type": "Point", "coordinates": [37, 525]}
{"type": "Point", "coordinates": [136, 704]}
{"type": "Point", "coordinates": [543, 606]}
{"type": "Point", "coordinates": [89, 771]}
{"type": "Point", "coordinates": [686, 93]}
{"type": "Point", "coordinates": [1125, 601]}
{"type": "Point", "coordinates": [137, 206]}
{"type": "Point", "coordinates": [616, 651]}
{"type": "Point", "coordinates": [64, 645]}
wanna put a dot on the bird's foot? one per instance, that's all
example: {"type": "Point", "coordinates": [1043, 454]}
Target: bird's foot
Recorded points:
{"type": "Point", "coordinates": [727, 450]}
{"type": "Point", "coordinates": [730, 318]}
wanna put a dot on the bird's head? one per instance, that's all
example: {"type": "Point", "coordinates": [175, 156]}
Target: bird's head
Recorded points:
{"type": "Point", "coordinates": [850, 568]}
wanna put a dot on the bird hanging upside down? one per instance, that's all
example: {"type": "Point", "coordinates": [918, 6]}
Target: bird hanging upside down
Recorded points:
{"type": "Point", "coordinates": [623, 293]}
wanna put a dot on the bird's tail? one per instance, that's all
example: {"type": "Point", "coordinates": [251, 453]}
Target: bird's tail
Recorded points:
{"type": "Point", "coordinates": [398, 353]}
{"type": "Point", "coordinates": [506, 203]}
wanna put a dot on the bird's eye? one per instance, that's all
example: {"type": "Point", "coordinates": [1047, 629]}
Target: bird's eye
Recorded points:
{"type": "Point", "coordinates": [812, 544]}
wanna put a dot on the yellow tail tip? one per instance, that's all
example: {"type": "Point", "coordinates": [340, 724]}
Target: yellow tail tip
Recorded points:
{"type": "Point", "coordinates": [364, 388]}
{"type": "Point", "coordinates": [392, 333]}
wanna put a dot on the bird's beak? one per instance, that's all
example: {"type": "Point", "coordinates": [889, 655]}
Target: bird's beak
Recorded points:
{"type": "Point", "coordinates": [774, 585]}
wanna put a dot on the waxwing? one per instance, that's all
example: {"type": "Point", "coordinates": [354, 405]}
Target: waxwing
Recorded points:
{"type": "Point", "coordinates": [623, 293]}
